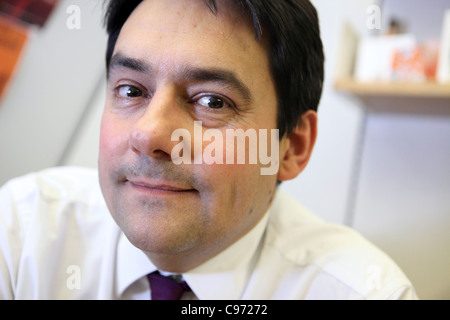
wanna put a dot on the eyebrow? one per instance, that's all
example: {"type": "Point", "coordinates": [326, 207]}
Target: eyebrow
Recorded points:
{"type": "Point", "coordinates": [119, 60]}
{"type": "Point", "coordinates": [187, 73]}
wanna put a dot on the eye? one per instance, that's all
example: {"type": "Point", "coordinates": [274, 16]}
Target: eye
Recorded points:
{"type": "Point", "coordinates": [213, 102]}
{"type": "Point", "coordinates": [127, 91]}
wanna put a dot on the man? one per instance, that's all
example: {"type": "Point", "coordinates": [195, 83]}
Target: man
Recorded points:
{"type": "Point", "coordinates": [220, 228]}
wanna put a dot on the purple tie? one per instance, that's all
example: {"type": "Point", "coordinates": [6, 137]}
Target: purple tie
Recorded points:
{"type": "Point", "coordinates": [166, 288]}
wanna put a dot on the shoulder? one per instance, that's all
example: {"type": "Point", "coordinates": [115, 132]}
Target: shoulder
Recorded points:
{"type": "Point", "coordinates": [332, 255]}
{"type": "Point", "coordinates": [56, 183]}
{"type": "Point", "coordinates": [48, 195]}
{"type": "Point", "coordinates": [49, 221]}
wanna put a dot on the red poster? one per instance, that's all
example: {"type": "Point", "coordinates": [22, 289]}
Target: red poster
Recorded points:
{"type": "Point", "coordinates": [34, 12]}
{"type": "Point", "coordinates": [12, 41]}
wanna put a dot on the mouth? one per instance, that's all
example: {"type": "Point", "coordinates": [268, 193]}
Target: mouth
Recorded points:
{"type": "Point", "coordinates": [158, 188]}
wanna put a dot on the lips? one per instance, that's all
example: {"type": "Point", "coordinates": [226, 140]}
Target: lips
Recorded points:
{"type": "Point", "coordinates": [158, 186]}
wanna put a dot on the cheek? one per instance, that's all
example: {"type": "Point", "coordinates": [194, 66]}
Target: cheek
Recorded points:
{"type": "Point", "coordinates": [237, 197]}
{"type": "Point", "coordinates": [234, 187]}
{"type": "Point", "coordinates": [113, 140]}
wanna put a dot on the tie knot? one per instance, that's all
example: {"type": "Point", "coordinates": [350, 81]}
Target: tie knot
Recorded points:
{"type": "Point", "coordinates": [166, 288]}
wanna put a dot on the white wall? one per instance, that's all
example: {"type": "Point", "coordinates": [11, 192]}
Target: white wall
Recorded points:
{"type": "Point", "coordinates": [84, 148]}
{"type": "Point", "coordinates": [54, 84]}
{"type": "Point", "coordinates": [403, 200]}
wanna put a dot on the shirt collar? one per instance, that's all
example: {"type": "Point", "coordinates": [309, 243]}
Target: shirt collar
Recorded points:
{"type": "Point", "coordinates": [132, 264]}
{"type": "Point", "coordinates": [221, 278]}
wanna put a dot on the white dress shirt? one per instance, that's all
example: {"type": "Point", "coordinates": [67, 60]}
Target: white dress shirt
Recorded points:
{"type": "Point", "coordinates": [58, 241]}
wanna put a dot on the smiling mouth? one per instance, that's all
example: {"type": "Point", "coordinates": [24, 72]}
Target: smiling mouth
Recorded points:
{"type": "Point", "coordinates": [158, 188]}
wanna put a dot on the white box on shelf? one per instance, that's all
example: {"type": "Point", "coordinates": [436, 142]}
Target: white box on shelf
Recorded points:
{"type": "Point", "coordinates": [348, 47]}
{"type": "Point", "coordinates": [375, 53]}
{"type": "Point", "coordinates": [443, 68]}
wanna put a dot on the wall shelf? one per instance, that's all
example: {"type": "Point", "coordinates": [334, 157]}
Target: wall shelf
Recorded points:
{"type": "Point", "coordinates": [418, 90]}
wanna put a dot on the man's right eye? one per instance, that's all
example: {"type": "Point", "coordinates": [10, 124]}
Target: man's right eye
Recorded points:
{"type": "Point", "coordinates": [127, 91]}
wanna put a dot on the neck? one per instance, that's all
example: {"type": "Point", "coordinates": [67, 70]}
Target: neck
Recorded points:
{"type": "Point", "coordinates": [182, 262]}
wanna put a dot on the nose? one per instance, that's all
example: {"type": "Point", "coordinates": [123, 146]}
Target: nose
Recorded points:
{"type": "Point", "coordinates": [151, 133]}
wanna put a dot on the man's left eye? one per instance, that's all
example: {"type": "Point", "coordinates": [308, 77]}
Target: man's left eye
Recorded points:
{"type": "Point", "coordinates": [212, 102]}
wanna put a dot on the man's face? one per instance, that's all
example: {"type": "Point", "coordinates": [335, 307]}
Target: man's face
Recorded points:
{"type": "Point", "coordinates": [175, 62]}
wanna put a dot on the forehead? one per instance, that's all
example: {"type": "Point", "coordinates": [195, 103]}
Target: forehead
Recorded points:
{"type": "Point", "coordinates": [181, 16]}
{"type": "Point", "coordinates": [164, 31]}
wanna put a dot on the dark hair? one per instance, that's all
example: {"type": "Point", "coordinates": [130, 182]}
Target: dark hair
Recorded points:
{"type": "Point", "coordinates": [295, 49]}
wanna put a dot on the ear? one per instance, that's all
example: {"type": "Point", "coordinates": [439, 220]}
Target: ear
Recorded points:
{"type": "Point", "coordinates": [296, 148]}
